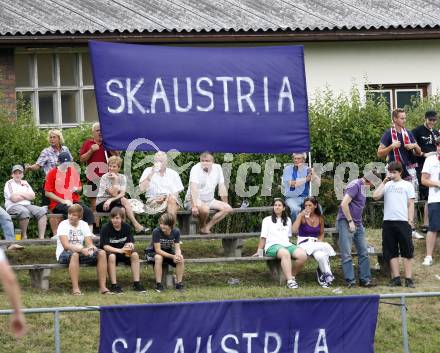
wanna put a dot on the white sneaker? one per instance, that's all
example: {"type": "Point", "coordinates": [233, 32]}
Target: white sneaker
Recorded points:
{"type": "Point", "coordinates": [292, 284]}
{"type": "Point", "coordinates": [427, 261]}
{"type": "Point", "coordinates": [416, 235]}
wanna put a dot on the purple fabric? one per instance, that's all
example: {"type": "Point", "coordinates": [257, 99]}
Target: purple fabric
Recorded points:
{"type": "Point", "coordinates": [306, 230]}
{"type": "Point", "coordinates": [355, 191]}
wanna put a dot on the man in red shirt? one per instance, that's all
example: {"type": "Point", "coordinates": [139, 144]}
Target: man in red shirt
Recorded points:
{"type": "Point", "coordinates": [63, 186]}
{"type": "Point", "coordinates": [95, 156]}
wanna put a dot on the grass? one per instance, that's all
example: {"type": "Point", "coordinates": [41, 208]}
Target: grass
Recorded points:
{"type": "Point", "coordinates": [80, 331]}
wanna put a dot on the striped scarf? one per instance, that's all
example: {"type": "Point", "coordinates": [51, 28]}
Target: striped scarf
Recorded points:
{"type": "Point", "coordinates": [394, 138]}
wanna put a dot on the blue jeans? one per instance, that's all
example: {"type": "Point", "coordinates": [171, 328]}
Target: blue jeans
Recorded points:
{"type": "Point", "coordinates": [346, 239]}
{"type": "Point", "coordinates": [6, 224]}
{"type": "Point", "coordinates": [295, 205]}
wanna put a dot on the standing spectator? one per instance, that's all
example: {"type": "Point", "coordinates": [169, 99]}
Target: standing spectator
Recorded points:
{"type": "Point", "coordinates": [309, 225]}
{"type": "Point", "coordinates": [204, 177]}
{"type": "Point", "coordinates": [75, 247]}
{"type": "Point", "coordinates": [274, 241]}
{"type": "Point", "coordinates": [112, 190]}
{"type": "Point", "coordinates": [18, 196]}
{"type": "Point", "coordinates": [165, 248]}
{"type": "Point", "coordinates": [162, 186]}
{"type": "Point", "coordinates": [425, 136]}
{"type": "Point", "coordinates": [95, 156]}
{"type": "Point", "coordinates": [431, 179]}
{"type": "Point", "coordinates": [8, 229]}
{"type": "Point", "coordinates": [12, 290]}
{"type": "Point", "coordinates": [398, 144]}
{"type": "Point", "coordinates": [63, 187]}
{"type": "Point", "coordinates": [350, 228]}
{"type": "Point", "coordinates": [296, 183]}
{"type": "Point", "coordinates": [118, 242]}
{"type": "Point", "coordinates": [398, 218]}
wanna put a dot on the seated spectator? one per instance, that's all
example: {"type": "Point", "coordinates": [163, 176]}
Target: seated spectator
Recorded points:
{"type": "Point", "coordinates": [18, 196]}
{"type": "Point", "coordinates": [48, 158]}
{"type": "Point", "coordinates": [275, 233]}
{"type": "Point", "coordinates": [162, 186]}
{"type": "Point", "coordinates": [296, 183]}
{"type": "Point", "coordinates": [204, 177]}
{"type": "Point", "coordinates": [8, 229]}
{"type": "Point", "coordinates": [309, 225]}
{"type": "Point", "coordinates": [112, 190]}
{"type": "Point", "coordinates": [118, 242]}
{"type": "Point", "coordinates": [165, 249]}
{"type": "Point", "coordinates": [63, 186]}
{"type": "Point", "coordinates": [75, 247]}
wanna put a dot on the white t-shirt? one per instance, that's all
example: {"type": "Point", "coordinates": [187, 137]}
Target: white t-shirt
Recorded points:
{"type": "Point", "coordinates": [206, 182]}
{"type": "Point", "coordinates": [10, 187]}
{"type": "Point", "coordinates": [396, 196]}
{"type": "Point", "coordinates": [2, 255]}
{"type": "Point", "coordinates": [169, 183]}
{"type": "Point", "coordinates": [432, 167]}
{"type": "Point", "coordinates": [276, 233]}
{"type": "Point", "coordinates": [75, 235]}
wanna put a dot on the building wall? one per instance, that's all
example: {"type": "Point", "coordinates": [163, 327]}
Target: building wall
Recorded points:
{"type": "Point", "coordinates": [340, 65]}
{"type": "Point", "coordinates": [7, 82]}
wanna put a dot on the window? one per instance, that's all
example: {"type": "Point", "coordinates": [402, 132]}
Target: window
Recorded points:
{"type": "Point", "coordinates": [398, 95]}
{"type": "Point", "coordinates": [58, 85]}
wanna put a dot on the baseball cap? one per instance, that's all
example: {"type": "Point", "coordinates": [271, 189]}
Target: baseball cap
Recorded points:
{"type": "Point", "coordinates": [17, 167]}
{"type": "Point", "coordinates": [64, 157]}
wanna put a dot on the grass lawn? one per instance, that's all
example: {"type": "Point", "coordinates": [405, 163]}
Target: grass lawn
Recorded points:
{"type": "Point", "coordinates": [80, 331]}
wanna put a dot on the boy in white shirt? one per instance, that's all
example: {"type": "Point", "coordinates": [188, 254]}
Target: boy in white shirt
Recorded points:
{"type": "Point", "coordinates": [203, 180]}
{"type": "Point", "coordinates": [18, 196]}
{"type": "Point", "coordinates": [75, 247]}
{"type": "Point", "coordinates": [398, 219]}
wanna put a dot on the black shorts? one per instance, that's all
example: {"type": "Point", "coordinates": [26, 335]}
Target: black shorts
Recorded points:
{"type": "Point", "coordinates": [397, 237]}
{"type": "Point", "coordinates": [116, 203]}
{"type": "Point", "coordinates": [149, 256]}
{"type": "Point", "coordinates": [434, 216]}
{"type": "Point", "coordinates": [121, 258]}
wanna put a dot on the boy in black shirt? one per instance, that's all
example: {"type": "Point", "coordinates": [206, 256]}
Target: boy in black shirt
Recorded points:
{"type": "Point", "coordinates": [425, 136]}
{"type": "Point", "coordinates": [118, 242]}
{"type": "Point", "coordinates": [165, 248]}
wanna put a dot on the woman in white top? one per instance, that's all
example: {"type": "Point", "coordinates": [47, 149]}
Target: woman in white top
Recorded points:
{"type": "Point", "coordinates": [275, 233]}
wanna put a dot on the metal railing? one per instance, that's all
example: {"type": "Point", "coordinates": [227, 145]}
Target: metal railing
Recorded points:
{"type": "Point", "coordinates": [56, 314]}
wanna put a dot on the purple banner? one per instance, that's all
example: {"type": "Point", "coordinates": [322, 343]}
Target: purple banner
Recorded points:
{"type": "Point", "coordinates": [195, 99]}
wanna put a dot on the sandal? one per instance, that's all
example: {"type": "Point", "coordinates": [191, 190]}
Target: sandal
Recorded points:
{"type": "Point", "coordinates": [143, 231]}
{"type": "Point", "coordinates": [78, 293]}
{"type": "Point", "coordinates": [106, 292]}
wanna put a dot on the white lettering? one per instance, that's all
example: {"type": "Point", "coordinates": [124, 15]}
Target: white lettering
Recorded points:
{"type": "Point", "coordinates": [249, 337]}
{"type": "Point", "coordinates": [322, 337]}
{"type": "Point", "coordinates": [225, 80]}
{"type": "Point", "coordinates": [188, 94]}
{"type": "Point", "coordinates": [266, 94]}
{"type": "Point", "coordinates": [116, 341]}
{"type": "Point", "coordinates": [146, 347]}
{"type": "Point", "coordinates": [223, 344]}
{"type": "Point", "coordinates": [159, 93]}
{"type": "Point", "coordinates": [199, 340]}
{"type": "Point", "coordinates": [277, 338]}
{"type": "Point", "coordinates": [295, 342]}
{"type": "Point", "coordinates": [285, 93]}
{"type": "Point", "coordinates": [179, 346]}
{"type": "Point", "coordinates": [208, 345]}
{"type": "Point", "coordinates": [121, 107]}
{"type": "Point", "coordinates": [130, 96]}
{"type": "Point", "coordinates": [247, 97]}
{"type": "Point", "coordinates": [205, 93]}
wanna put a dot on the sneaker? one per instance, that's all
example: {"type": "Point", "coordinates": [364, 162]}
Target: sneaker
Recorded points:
{"type": "Point", "coordinates": [329, 278]}
{"type": "Point", "coordinates": [367, 284]}
{"type": "Point", "coordinates": [395, 282]}
{"type": "Point", "coordinates": [350, 284]}
{"type": "Point", "coordinates": [159, 288]}
{"type": "Point", "coordinates": [116, 288]}
{"type": "Point", "coordinates": [179, 287]}
{"type": "Point", "coordinates": [409, 283]}
{"type": "Point", "coordinates": [427, 261]}
{"type": "Point", "coordinates": [292, 284]}
{"type": "Point", "coordinates": [320, 277]}
{"type": "Point", "coordinates": [416, 235]}
{"type": "Point", "coordinates": [137, 287]}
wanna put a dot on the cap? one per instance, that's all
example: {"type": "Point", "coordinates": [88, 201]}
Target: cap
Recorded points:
{"type": "Point", "coordinates": [17, 167]}
{"type": "Point", "coordinates": [64, 157]}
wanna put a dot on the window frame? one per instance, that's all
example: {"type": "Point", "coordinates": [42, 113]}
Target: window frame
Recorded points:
{"type": "Point", "coordinates": [35, 90]}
